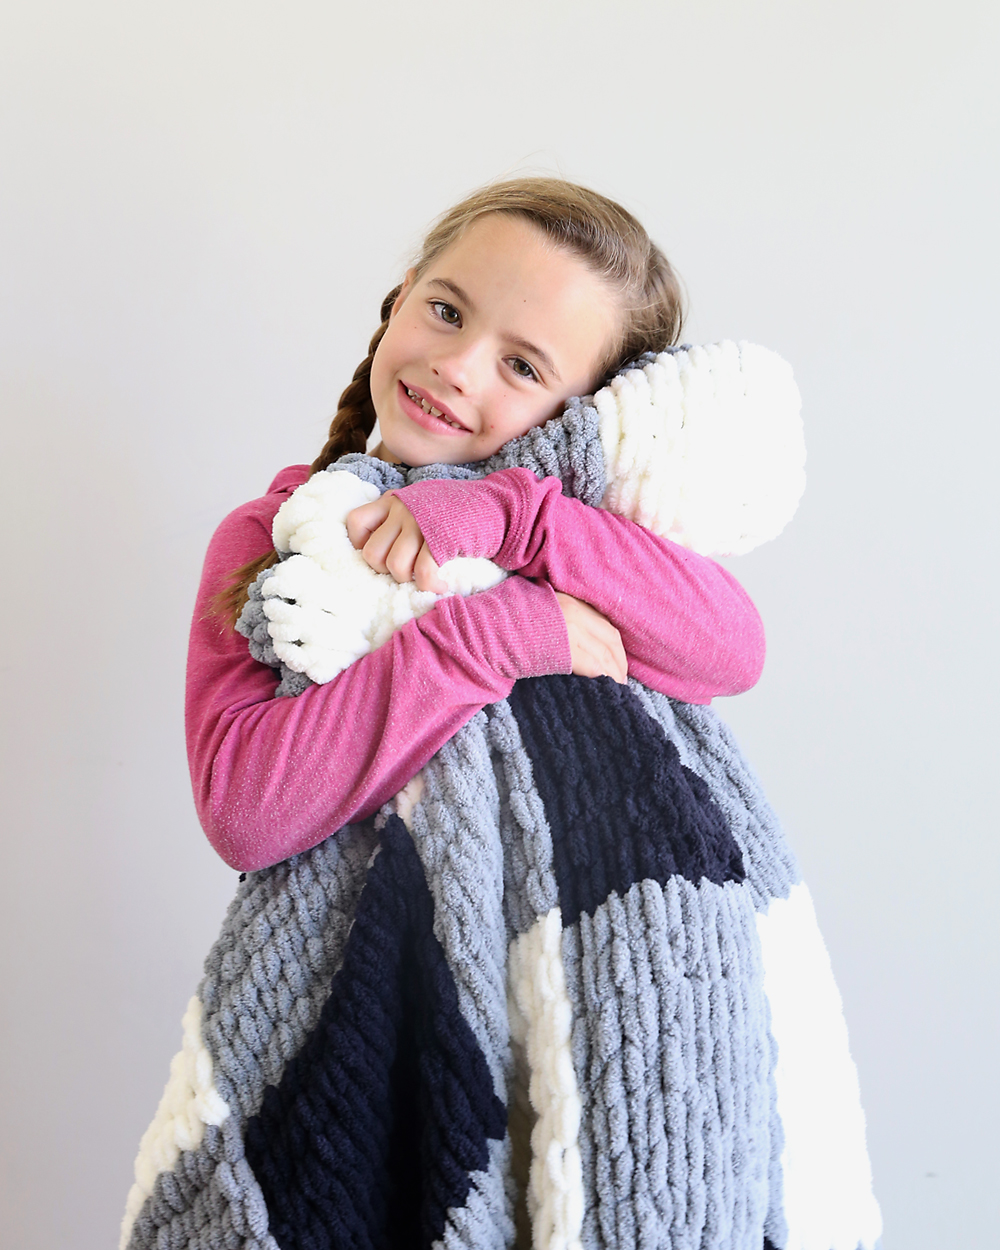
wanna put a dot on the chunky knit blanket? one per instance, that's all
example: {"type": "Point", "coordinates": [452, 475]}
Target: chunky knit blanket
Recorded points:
{"type": "Point", "coordinates": [567, 990]}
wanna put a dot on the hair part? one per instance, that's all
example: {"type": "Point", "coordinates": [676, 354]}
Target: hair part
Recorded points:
{"type": "Point", "coordinates": [607, 238]}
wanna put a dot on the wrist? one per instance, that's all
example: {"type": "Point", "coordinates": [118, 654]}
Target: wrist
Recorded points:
{"type": "Point", "coordinates": [481, 518]}
{"type": "Point", "coordinates": [534, 626]}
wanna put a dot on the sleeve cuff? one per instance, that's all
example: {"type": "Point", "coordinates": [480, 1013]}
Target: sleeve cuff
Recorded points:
{"type": "Point", "coordinates": [478, 518]}
{"type": "Point", "coordinates": [529, 631]}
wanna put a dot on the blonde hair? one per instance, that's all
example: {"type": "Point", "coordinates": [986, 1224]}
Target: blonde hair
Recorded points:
{"type": "Point", "coordinates": [600, 232]}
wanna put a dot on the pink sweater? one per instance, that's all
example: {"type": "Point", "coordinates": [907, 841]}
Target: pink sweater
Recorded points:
{"type": "Point", "coordinates": [273, 777]}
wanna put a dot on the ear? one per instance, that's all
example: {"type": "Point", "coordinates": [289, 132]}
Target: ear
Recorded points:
{"type": "Point", "coordinates": [404, 290]}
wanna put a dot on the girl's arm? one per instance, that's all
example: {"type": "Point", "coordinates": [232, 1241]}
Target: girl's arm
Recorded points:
{"type": "Point", "coordinates": [688, 627]}
{"type": "Point", "coordinates": [273, 777]}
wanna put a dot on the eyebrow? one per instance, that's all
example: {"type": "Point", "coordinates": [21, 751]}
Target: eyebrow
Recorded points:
{"type": "Point", "coordinates": [526, 346]}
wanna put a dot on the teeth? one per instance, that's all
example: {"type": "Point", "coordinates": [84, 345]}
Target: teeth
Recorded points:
{"type": "Point", "coordinates": [434, 412]}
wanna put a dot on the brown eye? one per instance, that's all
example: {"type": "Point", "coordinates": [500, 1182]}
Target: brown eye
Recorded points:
{"type": "Point", "coordinates": [448, 313]}
{"type": "Point", "coordinates": [522, 368]}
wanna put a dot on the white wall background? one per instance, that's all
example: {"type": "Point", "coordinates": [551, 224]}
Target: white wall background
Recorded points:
{"type": "Point", "coordinates": [201, 206]}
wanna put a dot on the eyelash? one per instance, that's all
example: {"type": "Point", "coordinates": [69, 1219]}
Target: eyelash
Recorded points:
{"type": "Point", "coordinates": [441, 305]}
{"type": "Point", "coordinates": [526, 377]}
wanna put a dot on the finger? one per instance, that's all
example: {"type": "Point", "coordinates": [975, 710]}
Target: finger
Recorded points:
{"type": "Point", "coordinates": [588, 655]}
{"type": "Point", "coordinates": [380, 543]}
{"type": "Point", "coordinates": [613, 661]}
{"type": "Point", "coordinates": [618, 665]}
{"type": "Point", "coordinates": [403, 554]}
{"type": "Point", "coordinates": [364, 520]}
{"type": "Point", "coordinates": [617, 660]}
{"type": "Point", "coordinates": [426, 572]}
{"type": "Point", "coordinates": [607, 663]}
{"type": "Point", "coordinates": [596, 648]}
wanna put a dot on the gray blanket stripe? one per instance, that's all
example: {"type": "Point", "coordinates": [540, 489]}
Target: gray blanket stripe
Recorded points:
{"type": "Point", "coordinates": [708, 747]}
{"type": "Point", "coordinates": [530, 888]}
{"type": "Point", "coordinates": [486, 1221]}
{"type": "Point", "coordinates": [454, 827]}
{"type": "Point", "coordinates": [670, 979]}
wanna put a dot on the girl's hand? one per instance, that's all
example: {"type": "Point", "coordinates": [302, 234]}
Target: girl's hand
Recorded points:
{"type": "Point", "coordinates": [390, 540]}
{"type": "Point", "coordinates": [595, 646]}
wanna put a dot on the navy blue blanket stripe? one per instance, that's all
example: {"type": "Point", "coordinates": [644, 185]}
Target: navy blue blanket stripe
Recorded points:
{"type": "Point", "coordinates": [373, 1130]}
{"type": "Point", "coordinates": [620, 805]}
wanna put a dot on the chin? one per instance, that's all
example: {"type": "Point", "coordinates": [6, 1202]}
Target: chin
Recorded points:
{"type": "Point", "coordinates": [417, 451]}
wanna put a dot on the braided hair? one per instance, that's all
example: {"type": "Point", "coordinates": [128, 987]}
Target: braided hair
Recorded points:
{"type": "Point", "coordinates": [352, 424]}
{"type": "Point", "coordinates": [355, 417]}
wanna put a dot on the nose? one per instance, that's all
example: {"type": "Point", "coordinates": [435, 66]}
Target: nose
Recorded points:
{"type": "Point", "coordinates": [460, 364]}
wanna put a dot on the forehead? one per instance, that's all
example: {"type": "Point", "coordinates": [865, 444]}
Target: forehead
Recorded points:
{"type": "Point", "coordinates": [521, 281]}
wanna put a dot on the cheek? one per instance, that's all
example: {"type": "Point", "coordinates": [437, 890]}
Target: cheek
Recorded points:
{"type": "Point", "coordinates": [516, 414]}
{"type": "Point", "coordinates": [381, 372]}
{"type": "Point", "coordinates": [401, 345]}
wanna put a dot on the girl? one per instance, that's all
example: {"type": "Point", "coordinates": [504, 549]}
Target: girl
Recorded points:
{"type": "Point", "coordinates": [567, 989]}
{"type": "Point", "coordinates": [524, 295]}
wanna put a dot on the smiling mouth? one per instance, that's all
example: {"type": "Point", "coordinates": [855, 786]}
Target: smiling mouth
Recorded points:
{"type": "Point", "coordinates": [434, 412]}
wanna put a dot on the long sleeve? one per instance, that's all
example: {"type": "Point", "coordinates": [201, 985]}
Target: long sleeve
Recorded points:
{"type": "Point", "coordinates": [688, 627]}
{"type": "Point", "coordinates": [273, 777]}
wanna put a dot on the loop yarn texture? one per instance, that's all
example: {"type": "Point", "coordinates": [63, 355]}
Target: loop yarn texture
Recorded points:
{"type": "Point", "coordinates": [568, 990]}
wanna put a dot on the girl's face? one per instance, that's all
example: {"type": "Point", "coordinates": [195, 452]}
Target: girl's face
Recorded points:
{"type": "Point", "coordinates": [491, 340]}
